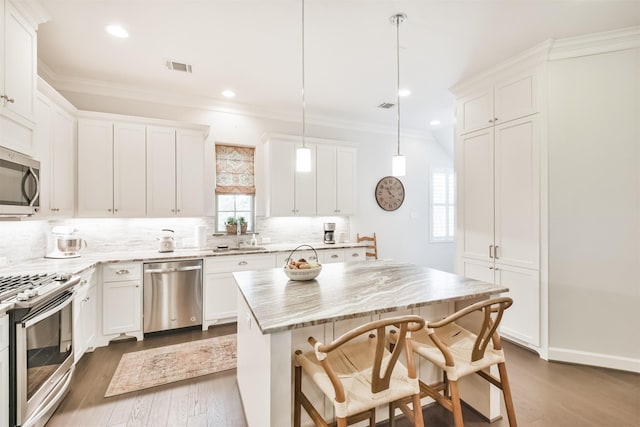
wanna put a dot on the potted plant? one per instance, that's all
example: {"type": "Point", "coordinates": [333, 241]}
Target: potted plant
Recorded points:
{"type": "Point", "coordinates": [232, 225]}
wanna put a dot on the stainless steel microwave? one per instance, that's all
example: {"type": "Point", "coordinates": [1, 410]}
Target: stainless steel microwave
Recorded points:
{"type": "Point", "coordinates": [19, 184]}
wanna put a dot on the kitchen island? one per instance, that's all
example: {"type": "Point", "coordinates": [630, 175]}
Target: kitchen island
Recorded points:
{"type": "Point", "coordinates": [275, 317]}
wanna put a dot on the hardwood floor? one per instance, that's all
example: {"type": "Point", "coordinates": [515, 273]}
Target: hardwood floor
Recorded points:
{"type": "Point", "coordinates": [545, 394]}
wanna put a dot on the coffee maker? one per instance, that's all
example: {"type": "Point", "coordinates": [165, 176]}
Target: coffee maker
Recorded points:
{"type": "Point", "coordinates": [329, 231]}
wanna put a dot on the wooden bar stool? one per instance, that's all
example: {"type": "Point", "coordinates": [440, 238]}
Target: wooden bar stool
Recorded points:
{"type": "Point", "coordinates": [459, 352]}
{"type": "Point", "coordinates": [372, 248]}
{"type": "Point", "coordinates": [359, 373]}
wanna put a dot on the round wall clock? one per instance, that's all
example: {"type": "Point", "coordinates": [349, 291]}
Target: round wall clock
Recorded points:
{"type": "Point", "coordinates": [389, 193]}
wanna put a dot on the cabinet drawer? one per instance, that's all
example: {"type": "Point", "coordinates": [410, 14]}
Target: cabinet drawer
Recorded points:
{"type": "Point", "coordinates": [121, 271]}
{"type": "Point", "coordinates": [223, 264]}
{"type": "Point", "coordinates": [308, 255]}
{"type": "Point", "coordinates": [332, 255]}
{"type": "Point", "coordinates": [355, 254]}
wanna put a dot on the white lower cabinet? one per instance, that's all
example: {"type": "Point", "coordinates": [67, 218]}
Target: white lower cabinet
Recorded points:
{"type": "Point", "coordinates": [4, 371]}
{"type": "Point", "coordinates": [122, 299]}
{"type": "Point", "coordinates": [84, 314]}
{"type": "Point", "coordinates": [521, 321]}
{"type": "Point", "coordinates": [220, 288]}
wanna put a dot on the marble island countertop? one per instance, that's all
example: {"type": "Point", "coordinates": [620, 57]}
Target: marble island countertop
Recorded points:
{"type": "Point", "coordinates": [349, 290]}
{"type": "Point", "coordinates": [91, 259]}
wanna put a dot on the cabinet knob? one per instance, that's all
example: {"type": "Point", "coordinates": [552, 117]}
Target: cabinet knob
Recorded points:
{"type": "Point", "coordinates": [120, 272]}
{"type": "Point", "coordinates": [173, 210]}
{"type": "Point", "coordinates": [490, 120]}
{"type": "Point", "coordinates": [334, 256]}
{"type": "Point", "coordinates": [355, 254]}
{"type": "Point", "coordinates": [108, 210]}
{"type": "Point", "coordinates": [243, 263]}
{"type": "Point", "coordinates": [6, 98]}
{"type": "Point", "coordinates": [115, 210]}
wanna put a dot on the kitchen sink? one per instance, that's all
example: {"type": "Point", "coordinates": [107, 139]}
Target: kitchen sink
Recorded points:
{"type": "Point", "coordinates": [241, 249]}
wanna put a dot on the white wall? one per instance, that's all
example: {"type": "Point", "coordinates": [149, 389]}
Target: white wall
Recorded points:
{"type": "Point", "coordinates": [594, 209]}
{"type": "Point", "coordinates": [402, 234]}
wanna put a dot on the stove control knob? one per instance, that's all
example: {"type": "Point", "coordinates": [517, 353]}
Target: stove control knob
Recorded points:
{"type": "Point", "coordinates": [31, 292]}
{"type": "Point", "coordinates": [22, 296]}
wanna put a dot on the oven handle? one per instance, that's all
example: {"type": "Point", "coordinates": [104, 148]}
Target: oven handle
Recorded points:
{"type": "Point", "coordinates": [52, 402]}
{"type": "Point", "coordinates": [58, 307]}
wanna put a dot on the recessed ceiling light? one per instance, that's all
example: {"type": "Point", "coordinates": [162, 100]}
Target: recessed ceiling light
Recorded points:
{"type": "Point", "coordinates": [228, 93]}
{"type": "Point", "coordinates": [117, 31]}
{"type": "Point", "coordinates": [434, 122]}
{"type": "Point", "coordinates": [404, 92]}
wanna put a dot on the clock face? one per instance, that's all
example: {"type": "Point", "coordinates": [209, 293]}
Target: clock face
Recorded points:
{"type": "Point", "coordinates": [390, 193]}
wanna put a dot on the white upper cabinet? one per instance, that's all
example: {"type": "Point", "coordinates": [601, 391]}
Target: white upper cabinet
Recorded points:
{"type": "Point", "coordinates": [55, 136]}
{"type": "Point", "coordinates": [175, 172]}
{"type": "Point", "coordinates": [328, 189]}
{"type": "Point", "coordinates": [129, 175]}
{"type": "Point", "coordinates": [18, 44]}
{"type": "Point", "coordinates": [501, 102]}
{"type": "Point", "coordinates": [336, 180]}
{"type": "Point", "coordinates": [289, 192]}
{"type": "Point", "coordinates": [19, 65]}
{"type": "Point", "coordinates": [161, 171]}
{"type": "Point", "coordinates": [111, 169]}
{"type": "Point", "coordinates": [95, 168]}
{"type": "Point", "coordinates": [190, 185]}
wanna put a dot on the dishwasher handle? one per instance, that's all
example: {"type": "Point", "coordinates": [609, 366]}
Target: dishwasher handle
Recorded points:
{"type": "Point", "coordinates": [172, 270]}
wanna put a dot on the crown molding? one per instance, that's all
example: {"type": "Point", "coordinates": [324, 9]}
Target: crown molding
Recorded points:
{"type": "Point", "coordinates": [128, 92]}
{"type": "Point", "coordinates": [593, 44]}
{"type": "Point", "coordinates": [33, 11]}
{"type": "Point", "coordinates": [532, 57]}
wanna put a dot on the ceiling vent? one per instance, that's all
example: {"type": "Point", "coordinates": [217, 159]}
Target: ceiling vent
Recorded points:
{"type": "Point", "coordinates": [386, 105]}
{"type": "Point", "coordinates": [179, 66]}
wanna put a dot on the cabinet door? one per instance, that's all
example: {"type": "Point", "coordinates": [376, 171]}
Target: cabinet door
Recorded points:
{"type": "Point", "coordinates": [62, 162]}
{"type": "Point", "coordinates": [161, 171]}
{"type": "Point", "coordinates": [189, 184]}
{"type": "Point", "coordinates": [281, 178]}
{"type": "Point", "coordinates": [515, 98]}
{"type": "Point", "coordinates": [129, 180]}
{"type": "Point", "coordinates": [121, 310]}
{"type": "Point", "coordinates": [19, 65]}
{"type": "Point", "coordinates": [475, 111]}
{"type": "Point", "coordinates": [327, 179]}
{"type": "Point", "coordinates": [95, 168]}
{"type": "Point", "coordinates": [88, 317]}
{"type": "Point", "coordinates": [305, 185]}
{"type": "Point", "coordinates": [221, 299]}
{"type": "Point", "coordinates": [346, 180]}
{"type": "Point", "coordinates": [517, 193]}
{"type": "Point", "coordinates": [522, 320]}
{"type": "Point", "coordinates": [475, 181]}
{"type": "Point", "coordinates": [479, 270]}
{"type": "Point", "coordinates": [355, 254]}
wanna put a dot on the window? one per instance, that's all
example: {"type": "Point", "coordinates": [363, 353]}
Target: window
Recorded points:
{"type": "Point", "coordinates": [442, 205]}
{"type": "Point", "coordinates": [235, 186]}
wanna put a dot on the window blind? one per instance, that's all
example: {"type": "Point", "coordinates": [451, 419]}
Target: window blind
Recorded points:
{"type": "Point", "coordinates": [235, 169]}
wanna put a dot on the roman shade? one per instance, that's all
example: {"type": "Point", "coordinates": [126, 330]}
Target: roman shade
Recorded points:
{"type": "Point", "coordinates": [235, 169]}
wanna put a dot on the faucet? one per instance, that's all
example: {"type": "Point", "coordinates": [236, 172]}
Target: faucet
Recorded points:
{"type": "Point", "coordinates": [238, 233]}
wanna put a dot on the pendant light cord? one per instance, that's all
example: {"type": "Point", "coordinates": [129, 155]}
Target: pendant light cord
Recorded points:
{"type": "Point", "coordinates": [303, 100]}
{"type": "Point", "coordinates": [398, 18]}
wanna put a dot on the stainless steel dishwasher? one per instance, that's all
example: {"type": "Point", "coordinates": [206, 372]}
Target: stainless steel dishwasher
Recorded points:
{"type": "Point", "coordinates": [172, 295]}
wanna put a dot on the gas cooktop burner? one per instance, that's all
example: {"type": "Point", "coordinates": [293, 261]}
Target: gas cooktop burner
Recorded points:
{"type": "Point", "coordinates": [13, 285]}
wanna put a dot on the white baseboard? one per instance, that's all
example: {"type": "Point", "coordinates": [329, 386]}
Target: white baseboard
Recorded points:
{"type": "Point", "coordinates": [594, 359]}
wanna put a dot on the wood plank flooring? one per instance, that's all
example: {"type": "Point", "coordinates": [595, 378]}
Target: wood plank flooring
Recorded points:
{"type": "Point", "coordinates": [545, 394]}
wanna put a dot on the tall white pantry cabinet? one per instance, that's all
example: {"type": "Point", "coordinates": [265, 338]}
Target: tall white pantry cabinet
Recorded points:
{"type": "Point", "coordinates": [497, 161]}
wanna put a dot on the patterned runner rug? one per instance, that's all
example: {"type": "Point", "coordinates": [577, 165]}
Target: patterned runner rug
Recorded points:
{"type": "Point", "coordinates": [149, 368]}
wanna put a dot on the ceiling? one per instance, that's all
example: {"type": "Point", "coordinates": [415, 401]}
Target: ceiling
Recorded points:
{"type": "Point", "coordinates": [254, 47]}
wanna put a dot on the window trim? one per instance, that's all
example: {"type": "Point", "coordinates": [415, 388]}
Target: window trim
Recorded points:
{"type": "Point", "coordinates": [448, 204]}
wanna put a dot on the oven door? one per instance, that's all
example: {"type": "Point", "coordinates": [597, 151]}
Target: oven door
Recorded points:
{"type": "Point", "coordinates": [44, 359]}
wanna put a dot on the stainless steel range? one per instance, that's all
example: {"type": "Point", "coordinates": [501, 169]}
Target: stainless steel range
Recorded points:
{"type": "Point", "coordinates": [40, 344]}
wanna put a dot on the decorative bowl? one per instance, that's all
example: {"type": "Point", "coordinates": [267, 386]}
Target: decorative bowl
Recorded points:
{"type": "Point", "coordinates": [302, 274]}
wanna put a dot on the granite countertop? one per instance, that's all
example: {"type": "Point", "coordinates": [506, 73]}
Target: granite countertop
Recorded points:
{"type": "Point", "coordinates": [88, 260]}
{"type": "Point", "coordinates": [348, 290]}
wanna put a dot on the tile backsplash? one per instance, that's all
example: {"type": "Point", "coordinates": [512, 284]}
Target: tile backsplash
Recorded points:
{"type": "Point", "coordinates": [29, 239]}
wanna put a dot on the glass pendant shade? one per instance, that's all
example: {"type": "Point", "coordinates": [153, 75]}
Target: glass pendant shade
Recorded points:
{"type": "Point", "coordinates": [303, 159]}
{"type": "Point", "coordinates": [399, 166]}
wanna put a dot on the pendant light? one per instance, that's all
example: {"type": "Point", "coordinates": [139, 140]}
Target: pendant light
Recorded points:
{"type": "Point", "coordinates": [303, 154]}
{"type": "Point", "coordinates": [399, 162]}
